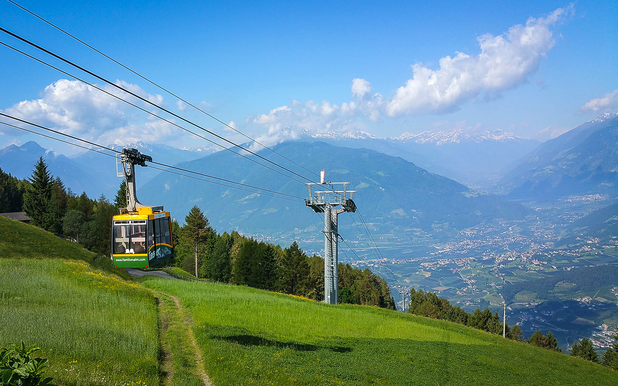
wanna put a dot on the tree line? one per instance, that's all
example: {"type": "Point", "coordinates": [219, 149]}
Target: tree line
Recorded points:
{"type": "Point", "coordinates": [53, 207]}
{"type": "Point", "coordinates": [227, 258]}
{"type": "Point", "coordinates": [428, 304]}
{"type": "Point", "coordinates": [236, 259]}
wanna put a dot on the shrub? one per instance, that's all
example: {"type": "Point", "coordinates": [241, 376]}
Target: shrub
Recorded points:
{"type": "Point", "coordinates": [19, 368]}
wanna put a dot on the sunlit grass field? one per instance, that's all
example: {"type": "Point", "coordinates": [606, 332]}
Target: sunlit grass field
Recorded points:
{"type": "Point", "coordinates": [94, 327]}
{"type": "Point", "coordinates": [252, 337]}
{"type": "Point", "coordinates": [98, 329]}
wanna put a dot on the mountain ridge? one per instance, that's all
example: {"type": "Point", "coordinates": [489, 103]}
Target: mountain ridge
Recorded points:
{"type": "Point", "coordinates": [583, 160]}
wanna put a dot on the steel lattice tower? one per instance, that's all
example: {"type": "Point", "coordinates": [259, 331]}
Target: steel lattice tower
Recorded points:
{"type": "Point", "coordinates": [327, 201]}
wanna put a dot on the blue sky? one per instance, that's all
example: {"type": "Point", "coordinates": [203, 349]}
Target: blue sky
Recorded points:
{"type": "Point", "coordinates": [274, 69]}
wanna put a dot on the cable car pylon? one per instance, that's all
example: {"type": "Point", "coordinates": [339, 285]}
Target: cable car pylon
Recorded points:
{"type": "Point", "coordinates": [327, 201]}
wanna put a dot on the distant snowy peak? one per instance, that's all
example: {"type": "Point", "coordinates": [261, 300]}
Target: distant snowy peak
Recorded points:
{"type": "Point", "coordinates": [604, 117]}
{"type": "Point", "coordinates": [456, 136]}
{"type": "Point", "coordinates": [134, 145]}
{"type": "Point", "coordinates": [149, 147]}
{"type": "Point", "coordinates": [346, 135]}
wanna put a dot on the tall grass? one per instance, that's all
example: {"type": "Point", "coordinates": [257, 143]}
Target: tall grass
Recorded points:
{"type": "Point", "coordinates": [23, 241]}
{"type": "Point", "coordinates": [95, 328]}
{"type": "Point", "coordinates": [251, 337]}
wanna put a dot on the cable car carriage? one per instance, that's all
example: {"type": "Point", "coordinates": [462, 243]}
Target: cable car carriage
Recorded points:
{"type": "Point", "coordinates": [141, 235]}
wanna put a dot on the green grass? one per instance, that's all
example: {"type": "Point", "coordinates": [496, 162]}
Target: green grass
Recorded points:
{"type": "Point", "coordinates": [22, 241]}
{"type": "Point", "coordinates": [99, 329]}
{"type": "Point", "coordinates": [94, 327]}
{"type": "Point", "coordinates": [252, 337]}
{"type": "Point", "coordinates": [179, 367]}
{"type": "Point", "coordinates": [179, 273]}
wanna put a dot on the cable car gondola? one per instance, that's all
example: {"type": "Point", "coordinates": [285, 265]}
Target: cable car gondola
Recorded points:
{"type": "Point", "coordinates": [141, 235]}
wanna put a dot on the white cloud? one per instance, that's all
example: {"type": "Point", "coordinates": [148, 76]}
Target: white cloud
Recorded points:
{"type": "Point", "coordinates": [231, 126]}
{"type": "Point", "coordinates": [607, 103]}
{"type": "Point", "coordinates": [72, 107]}
{"type": "Point", "coordinates": [83, 111]}
{"type": "Point", "coordinates": [505, 61]}
{"type": "Point", "coordinates": [181, 105]}
{"type": "Point", "coordinates": [289, 122]}
{"type": "Point", "coordinates": [360, 87]}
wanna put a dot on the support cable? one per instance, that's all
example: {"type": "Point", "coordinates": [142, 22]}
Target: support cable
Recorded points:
{"type": "Point", "coordinates": [144, 110]}
{"type": "Point", "coordinates": [58, 139]}
{"type": "Point", "coordinates": [158, 86]}
{"type": "Point", "coordinates": [156, 163]}
{"type": "Point", "coordinates": [147, 101]}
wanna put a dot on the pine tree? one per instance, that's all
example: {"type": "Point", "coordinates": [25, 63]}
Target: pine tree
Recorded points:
{"type": "Point", "coordinates": [121, 196]}
{"type": "Point", "coordinates": [515, 333]}
{"type": "Point", "coordinates": [219, 266]}
{"type": "Point", "coordinates": [538, 339]}
{"type": "Point", "coordinates": [193, 237]}
{"type": "Point", "coordinates": [294, 270]}
{"type": "Point", "coordinates": [58, 208]}
{"type": "Point", "coordinates": [73, 223]}
{"type": "Point", "coordinates": [265, 267]}
{"type": "Point", "coordinates": [610, 356]}
{"type": "Point", "coordinates": [37, 199]}
{"type": "Point", "coordinates": [11, 197]}
{"type": "Point", "coordinates": [241, 269]}
{"type": "Point", "coordinates": [584, 350]}
{"type": "Point", "coordinates": [552, 342]}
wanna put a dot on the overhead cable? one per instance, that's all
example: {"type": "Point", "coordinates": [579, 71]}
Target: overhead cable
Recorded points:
{"type": "Point", "coordinates": [144, 110]}
{"type": "Point", "coordinates": [57, 139]}
{"type": "Point", "coordinates": [147, 101]}
{"type": "Point", "coordinates": [157, 85]}
{"type": "Point", "coordinates": [156, 163]}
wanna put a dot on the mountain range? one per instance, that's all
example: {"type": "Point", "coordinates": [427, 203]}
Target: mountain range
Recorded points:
{"type": "Point", "coordinates": [475, 159]}
{"type": "Point", "coordinates": [19, 161]}
{"type": "Point", "coordinates": [581, 161]}
{"type": "Point", "coordinates": [392, 194]}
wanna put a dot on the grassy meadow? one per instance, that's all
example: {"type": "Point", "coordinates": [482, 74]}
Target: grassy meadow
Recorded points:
{"type": "Point", "coordinates": [94, 327]}
{"type": "Point", "coordinates": [97, 328]}
{"type": "Point", "coordinates": [252, 337]}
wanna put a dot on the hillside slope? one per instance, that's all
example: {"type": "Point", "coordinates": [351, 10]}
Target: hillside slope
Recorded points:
{"type": "Point", "coordinates": [97, 329]}
{"type": "Point", "coordinates": [391, 193]}
{"type": "Point", "coordinates": [252, 337]}
{"type": "Point", "coordinates": [94, 327]}
{"type": "Point", "coordinates": [581, 161]}
{"type": "Point", "coordinates": [472, 160]}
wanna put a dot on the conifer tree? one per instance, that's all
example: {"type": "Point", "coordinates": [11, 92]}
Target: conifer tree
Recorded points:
{"type": "Point", "coordinates": [11, 197]}
{"type": "Point", "coordinates": [552, 342]}
{"type": "Point", "coordinates": [264, 267]}
{"type": "Point", "coordinates": [219, 266]}
{"type": "Point", "coordinates": [515, 333]}
{"type": "Point", "coordinates": [73, 223]}
{"type": "Point", "coordinates": [610, 356]}
{"type": "Point", "coordinates": [584, 350]}
{"type": "Point", "coordinates": [294, 270]}
{"type": "Point", "coordinates": [58, 209]}
{"type": "Point", "coordinates": [193, 237]}
{"type": "Point", "coordinates": [121, 196]}
{"type": "Point", "coordinates": [37, 199]}
{"type": "Point", "coordinates": [241, 269]}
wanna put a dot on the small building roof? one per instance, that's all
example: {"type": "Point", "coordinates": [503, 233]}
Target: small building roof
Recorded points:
{"type": "Point", "coordinates": [19, 216]}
